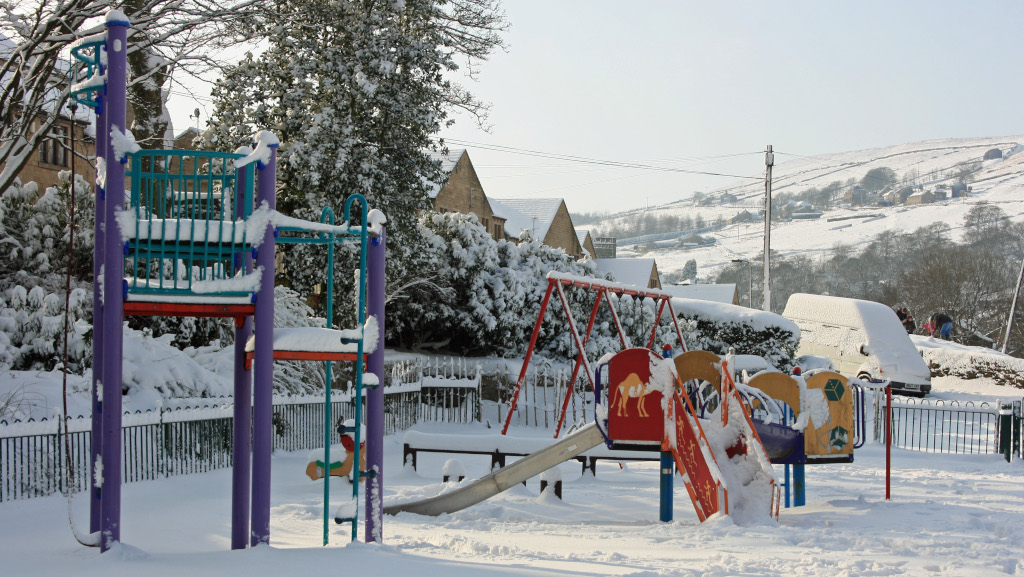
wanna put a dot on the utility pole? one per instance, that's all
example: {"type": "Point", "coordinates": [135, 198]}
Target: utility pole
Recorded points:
{"type": "Point", "coordinates": [1013, 306]}
{"type": "Point", "coordinates": [769, 161]}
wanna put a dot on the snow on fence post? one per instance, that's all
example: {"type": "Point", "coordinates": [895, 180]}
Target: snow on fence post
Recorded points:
{"type": "Point", "coordinates": [1005, 430]}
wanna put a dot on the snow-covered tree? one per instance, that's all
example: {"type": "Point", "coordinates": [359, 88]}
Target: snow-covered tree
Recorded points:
{"type": "Point", "coordinates": [690, 270]}
{"type": "Point", "coordinates": [356, 90]}
{"type": "Point", "coordinates": [34, 235]}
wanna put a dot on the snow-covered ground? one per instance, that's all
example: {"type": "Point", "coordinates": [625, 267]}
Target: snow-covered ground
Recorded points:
{"type": "Point", "coordinates": [949, 515]}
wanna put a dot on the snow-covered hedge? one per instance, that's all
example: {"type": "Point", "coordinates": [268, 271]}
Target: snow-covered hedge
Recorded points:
{"type": "Point", "coordinates": [947, 359]}
{"type": "Point", "coordinates": [717, 327]}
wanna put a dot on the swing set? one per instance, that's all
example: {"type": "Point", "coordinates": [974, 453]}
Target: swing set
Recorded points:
{"type": "Point", "coordinates": [603, 291]}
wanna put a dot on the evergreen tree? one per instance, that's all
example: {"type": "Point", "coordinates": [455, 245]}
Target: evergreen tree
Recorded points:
{"type": "Point", "coordinates": [355, 90]}
{"type": "Point", "coordinates": [690, 270]}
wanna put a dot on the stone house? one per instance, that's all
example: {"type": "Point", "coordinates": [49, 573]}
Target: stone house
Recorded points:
{"type": "Point", "coordinates": [920, 197]}
{"type": "Point", "coordinates": [462, 192]}
{"type": "Point", "coordinates": [743, 216]}
{"type": "Point", "coordinates": [54, 153]}
{"type": "Point", "coordinates": [543, 219]}
{"type": "Point", "coordinates": [586, 242]}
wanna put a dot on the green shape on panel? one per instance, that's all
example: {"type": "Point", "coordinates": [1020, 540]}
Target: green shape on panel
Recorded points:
{"type": "Point", "coordinates": [834, 389]}
{"type": "Point", "coordinates": [838, 438]}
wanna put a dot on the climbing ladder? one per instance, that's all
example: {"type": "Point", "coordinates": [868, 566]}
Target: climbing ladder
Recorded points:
{"type": "Point", "coordinates": [331, 345]}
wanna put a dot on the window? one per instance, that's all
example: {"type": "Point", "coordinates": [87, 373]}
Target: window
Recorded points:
{"type": "Point", "coordinates": [54, 149]}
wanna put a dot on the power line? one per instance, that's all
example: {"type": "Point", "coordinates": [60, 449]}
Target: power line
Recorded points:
{"type": "Point", "coordinates": [595, 161]}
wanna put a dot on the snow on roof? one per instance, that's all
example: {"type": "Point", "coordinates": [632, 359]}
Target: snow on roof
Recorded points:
{"type": "Point", "coordinates": [533, 214]}
{"type": "Point", "coordinates": [581, 235]}
{"type": "Point", "coordinates": [719, 293]}
{"type": "Point", "coordinates": [189, 130]}
{"type": "Point", "coordinates": [636, 271]}
{"type": "Point", "coordinates": [448, 162]}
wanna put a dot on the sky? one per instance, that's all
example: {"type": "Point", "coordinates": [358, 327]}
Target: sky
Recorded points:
{"type": "Point", "coordinates": [680, 86]}
{"type": "Point", "coordinates": [706, 86]}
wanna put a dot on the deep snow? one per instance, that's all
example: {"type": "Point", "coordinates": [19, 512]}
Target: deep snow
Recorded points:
{"type": "Point", "coordinates": [949, 515]}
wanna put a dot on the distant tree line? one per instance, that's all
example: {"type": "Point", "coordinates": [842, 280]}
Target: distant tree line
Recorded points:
{"type": "Point", "coordinates": [973, 281]}
{"type": "Point", "coordinates": [650, 222]}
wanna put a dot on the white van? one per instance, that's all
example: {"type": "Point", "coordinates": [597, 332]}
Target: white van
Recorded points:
{"type": "Point", "coordinates": [863, 339]}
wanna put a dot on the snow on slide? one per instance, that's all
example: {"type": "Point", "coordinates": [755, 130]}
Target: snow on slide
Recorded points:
{"type": "Point", "coordinates": [486, 487]}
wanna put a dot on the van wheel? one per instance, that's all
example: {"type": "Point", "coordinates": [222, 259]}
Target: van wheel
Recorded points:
{"type": "Point", "coordinates": [865, 377]}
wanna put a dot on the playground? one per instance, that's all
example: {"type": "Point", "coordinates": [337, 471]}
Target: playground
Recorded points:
{"type": "Point", "coordinates": [685, 472]}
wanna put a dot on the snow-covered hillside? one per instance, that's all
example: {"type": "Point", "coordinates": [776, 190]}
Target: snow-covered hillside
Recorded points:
{"type": "Point", "coordinates": [1000, 182]}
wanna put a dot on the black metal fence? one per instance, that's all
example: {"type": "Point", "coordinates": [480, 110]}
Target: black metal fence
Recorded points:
{"type": "Point", "coordinates": [950, 426]}
{"type": "Point", "coordinates": [34, 456]}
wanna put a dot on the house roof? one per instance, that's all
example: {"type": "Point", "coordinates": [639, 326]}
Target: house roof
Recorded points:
{"type": "Point", "coordinates": [448, 162]}
{"type": "Point", "coordinates": [718, 293]}
{"type": "Point", "coordinates": [635, 271]}
{"type": "Point", "coordinates": [533, 214]}
{"type": "Point", "coordinates": [581, 235]}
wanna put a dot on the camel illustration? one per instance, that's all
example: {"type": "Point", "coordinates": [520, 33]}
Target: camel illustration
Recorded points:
{"type": "Point", "coordinates": [631, 386]}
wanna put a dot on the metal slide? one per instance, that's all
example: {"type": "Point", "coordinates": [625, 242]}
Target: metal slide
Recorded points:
{"type": "Point", "coordinates": [582, 440]}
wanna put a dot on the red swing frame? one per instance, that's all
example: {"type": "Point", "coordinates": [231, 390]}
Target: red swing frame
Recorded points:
{"type": "Point", "coordinates": [604, 290]}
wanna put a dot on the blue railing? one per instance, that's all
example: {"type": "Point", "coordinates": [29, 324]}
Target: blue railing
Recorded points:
{"type": "Point", "coordinates": [187, 222]}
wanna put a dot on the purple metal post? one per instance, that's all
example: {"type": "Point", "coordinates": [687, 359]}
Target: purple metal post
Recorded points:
{"type": "Point", "coordinates": [113, 277]}
{"type": "Point", "coordinates": [263, 355]}
{"type": "Point", "coordinates": [96, 441]}
{"type": "Point", "coordinates": [241, 474]}
{"type": "Point", "coordinates": [374, 525]}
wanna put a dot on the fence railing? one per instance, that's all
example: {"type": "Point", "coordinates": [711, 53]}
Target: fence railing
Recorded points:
{"type": "Point", "coordinates": [948, 426]}
{"type": "Point", "coordinates": [181, 439]}
{"type": "Point", "coordinates": [541, 399]}
{"type": "Point", "coordinates": [34, 455]}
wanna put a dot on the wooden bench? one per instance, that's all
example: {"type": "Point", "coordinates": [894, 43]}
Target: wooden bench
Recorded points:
{"type": "Point", "coordinates": [500, 447]}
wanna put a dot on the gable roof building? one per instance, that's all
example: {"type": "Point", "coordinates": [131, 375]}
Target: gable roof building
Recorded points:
{"type": "Point", "coordinates": [719, 293]}
{"type": "Point", "coordinates": [546, 219]}
{"type": "Point", "coordinates": [462, 192]}
{"type": "Point", "coordinates": [586, 242]}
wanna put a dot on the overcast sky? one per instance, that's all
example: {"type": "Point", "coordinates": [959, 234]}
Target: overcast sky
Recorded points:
{"type": "Point", "coordinates": [691, 85]}
{"type": "Point", "coordinates": [705, 86]}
